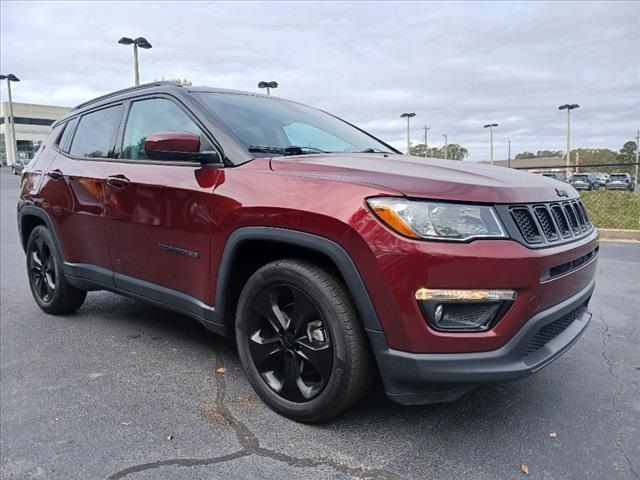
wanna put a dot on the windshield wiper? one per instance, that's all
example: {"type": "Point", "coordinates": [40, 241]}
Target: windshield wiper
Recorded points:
{"type": "Point", "coordinates": [373, 150]}
{"type": "Point", "coordinates": [290, 150]}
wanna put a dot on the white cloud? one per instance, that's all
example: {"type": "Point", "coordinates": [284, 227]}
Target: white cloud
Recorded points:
{"type": "Point", "coordinates": [457, 65]}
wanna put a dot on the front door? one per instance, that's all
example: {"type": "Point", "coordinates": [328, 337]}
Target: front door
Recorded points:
{"type": "Point", "coordinates": [158, 218]}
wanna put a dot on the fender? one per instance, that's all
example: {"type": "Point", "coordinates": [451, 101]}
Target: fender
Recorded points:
{"type": "Point", "coordinates": [323, 245]}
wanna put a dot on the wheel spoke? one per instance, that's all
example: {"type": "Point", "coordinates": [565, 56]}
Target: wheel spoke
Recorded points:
{"type": "Point", "coordinates": [291, 378]}
{"type": "Point", "coordinates": [263, 305]}
{"type": "Point", "coordinates": [318, 357]}
{"type": "Point", "coordinates": [36, 260]}
{"type": "Point", "coordinates": [282, 318]}
{"type": "Point", "coordinates": [263, 348]}
{"type": "Point", "coordinates": [303, 311]}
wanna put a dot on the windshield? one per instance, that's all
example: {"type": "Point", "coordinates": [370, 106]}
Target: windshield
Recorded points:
{"type": "Point", "coordinates": [618, 177]}
{"type": "Point", "coordinates": [580, 177]}
{"type": "Point", "coordinates": [280, 127]}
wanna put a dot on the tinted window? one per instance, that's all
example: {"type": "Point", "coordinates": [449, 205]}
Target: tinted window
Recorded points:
{"type": "Point", "coordinates": [65, 138]}
{"type": "Point", "coordinates": [96, 133]}
{"type": "Point", "coordinates": [152, 116]}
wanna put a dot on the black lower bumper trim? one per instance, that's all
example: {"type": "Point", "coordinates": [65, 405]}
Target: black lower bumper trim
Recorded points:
{"type": "Point", "coordinates": [413, 378]}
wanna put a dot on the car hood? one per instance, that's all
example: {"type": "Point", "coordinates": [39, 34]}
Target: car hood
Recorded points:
{"type": "Point", "coordinates": [429, 177]}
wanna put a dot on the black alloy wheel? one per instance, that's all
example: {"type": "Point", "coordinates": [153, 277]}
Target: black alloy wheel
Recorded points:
{"type": "Point", "coordinates": [300, 341]}
{"type": "Point", "coordinates": [42, 270]}
{"type": "Point", "coordinates": [49, 287]}
{"type": "Point", "coordinates": [289, 343]}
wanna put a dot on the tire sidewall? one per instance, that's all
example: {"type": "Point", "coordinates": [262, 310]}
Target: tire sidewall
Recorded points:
{"type": "Point", "coordinates": [262, 279]}
{"type": "Point", "coordinates": [43, 233]}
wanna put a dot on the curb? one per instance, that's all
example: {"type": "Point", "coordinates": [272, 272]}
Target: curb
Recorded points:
{"type": "Point", "coordinates": [615, 234]}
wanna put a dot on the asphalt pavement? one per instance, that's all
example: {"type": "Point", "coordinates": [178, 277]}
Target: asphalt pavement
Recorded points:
{"type": "Point", "coordinates": [125, 390]}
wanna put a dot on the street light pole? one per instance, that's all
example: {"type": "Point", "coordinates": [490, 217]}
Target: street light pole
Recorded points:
{"type": "Point", "coordinates": [426, 129]}
{"type": "Point", "coordinates": [408, 116]}
{"type": "Point", "coordinates": [14, 143]}
{"type": "Point", "coordinates": [446, 146]}
{"type": "Point", "coordinates": [568, 107]}
{"type": "Point", "coordinates": [138, 42]}
{"type": "Point", "coordinates": [509, 157]}
{"type": "Point", "coordinates": [490, 127]}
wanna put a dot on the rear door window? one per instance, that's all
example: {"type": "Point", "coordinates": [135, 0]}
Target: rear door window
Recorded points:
{"type": "Point", "coordinates": [95, 136]}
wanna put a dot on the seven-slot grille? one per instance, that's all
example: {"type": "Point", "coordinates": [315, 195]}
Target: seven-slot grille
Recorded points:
{"type": "Point", "coordinates": [551, 222]}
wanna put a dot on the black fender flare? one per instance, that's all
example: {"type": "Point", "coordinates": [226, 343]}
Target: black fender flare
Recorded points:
{"type": "Point", "coordinates": [331, 249]}
{"type": "Point", "coordinates": [31, 210]}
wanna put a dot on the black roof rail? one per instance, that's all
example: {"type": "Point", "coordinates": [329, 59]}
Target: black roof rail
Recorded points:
{"type": "Point", "coordinates": [127, 90]}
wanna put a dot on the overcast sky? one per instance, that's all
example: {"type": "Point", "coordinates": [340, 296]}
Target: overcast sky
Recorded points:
{"type": "Point", "coordinates": [457, 65]}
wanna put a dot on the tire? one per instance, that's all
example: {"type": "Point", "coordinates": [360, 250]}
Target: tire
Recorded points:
{"type": "Point", "coordinates": [295, 321]}
{"type": "Point", "coordinates": [13, 171]}
{"type": "Point", "coordinates": [48, 286]}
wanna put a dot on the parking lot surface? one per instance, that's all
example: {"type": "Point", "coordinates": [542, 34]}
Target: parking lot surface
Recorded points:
{"type": "Point", "coordinates": [125, 390]}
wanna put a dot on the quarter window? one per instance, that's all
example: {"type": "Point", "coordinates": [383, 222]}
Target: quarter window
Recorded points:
{"type": "Point", "coordinates": [65, 138]}
{"type": "Point", "coordinates": [147, 117]}
{"type": "Point", "coordinates": [96, 133]}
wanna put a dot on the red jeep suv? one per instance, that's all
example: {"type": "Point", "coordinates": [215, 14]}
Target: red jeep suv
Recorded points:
{"type": "Point", "coordinates": [328, 255]}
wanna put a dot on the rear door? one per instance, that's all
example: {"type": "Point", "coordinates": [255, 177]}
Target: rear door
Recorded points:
{"type": "Point", "coordinates": [73, 187]}
{"type": "Point", "coordinates": [158, 218]}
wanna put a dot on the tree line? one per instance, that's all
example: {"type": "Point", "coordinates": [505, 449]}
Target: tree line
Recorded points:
{"type": "Point", "coordinates": [454, 151]}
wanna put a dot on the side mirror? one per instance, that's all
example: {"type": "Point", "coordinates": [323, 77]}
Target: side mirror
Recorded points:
{"type": "Point", "coordinates": [177, 146]}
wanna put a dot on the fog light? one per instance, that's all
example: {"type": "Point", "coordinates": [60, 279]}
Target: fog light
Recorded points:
{"type": "Point", "coordinates": [464, 310]}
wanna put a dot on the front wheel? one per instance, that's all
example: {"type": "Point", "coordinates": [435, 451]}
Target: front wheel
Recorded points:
{"type": "Point", "coordinates": [300, 342]}
{"type": "Point", "coordinates": [50, 289]}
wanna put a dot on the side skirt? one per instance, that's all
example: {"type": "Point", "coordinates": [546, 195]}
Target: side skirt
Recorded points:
{"type": "Point", "coordinates": [90, 277]}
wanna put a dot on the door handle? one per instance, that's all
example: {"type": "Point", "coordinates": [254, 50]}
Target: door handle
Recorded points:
{"type": "Point", "coordinates": [55, 174]}
{"type": "Point", "coordinates": [118, 181]}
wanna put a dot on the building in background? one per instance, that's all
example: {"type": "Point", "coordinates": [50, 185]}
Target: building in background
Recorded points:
{"type": "Point", "coordinates": [33, 123]}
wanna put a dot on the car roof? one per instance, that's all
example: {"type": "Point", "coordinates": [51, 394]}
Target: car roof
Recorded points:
{"type": "Point", "coordinates": [154, 87]}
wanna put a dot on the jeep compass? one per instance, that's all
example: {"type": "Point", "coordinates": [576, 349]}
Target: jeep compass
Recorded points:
{"type": "Point", "coordinates": [330, 257]}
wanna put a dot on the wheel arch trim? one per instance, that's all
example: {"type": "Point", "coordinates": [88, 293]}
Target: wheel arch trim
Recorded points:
{"type": "Point", "coordinates": [322, 245]}
{"type": "Point", "coordinates": [31, 210]}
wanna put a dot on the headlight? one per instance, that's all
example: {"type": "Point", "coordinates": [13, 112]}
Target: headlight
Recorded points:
{"type": "Point", "coordinates": [436, 220]}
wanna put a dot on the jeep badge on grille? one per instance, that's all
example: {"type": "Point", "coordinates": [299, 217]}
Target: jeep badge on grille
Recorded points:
{"type": "Point", "coordinates": [562, 193]}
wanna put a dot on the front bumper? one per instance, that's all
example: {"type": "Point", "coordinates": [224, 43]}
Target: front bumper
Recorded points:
{"type": "Point", "coordinates": [418, 378]}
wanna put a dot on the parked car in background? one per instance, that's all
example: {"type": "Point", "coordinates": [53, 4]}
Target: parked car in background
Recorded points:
{"type": "Point", "coordinates": [555, 175]}
{"type": "Point", "coordinates": [621, 181]}
{"type": "Point", "coordinates": [330, 257]}
{"type": "Point", "coordinates": [584, 181]}
{"type": "Point", "coordinates": [602, 177]}
{"type": "Point", "coordinates": [18, 167]}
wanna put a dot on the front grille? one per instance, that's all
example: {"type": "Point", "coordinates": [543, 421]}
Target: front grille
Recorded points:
{"type": "Point", "coordinates": [552, 330]}
{"type": "Point", "coordinates": [548, 227]}
{"type": "Point", "coordinates": [526, 224]}
{"type": "Point", "coordinates": [551, 222]}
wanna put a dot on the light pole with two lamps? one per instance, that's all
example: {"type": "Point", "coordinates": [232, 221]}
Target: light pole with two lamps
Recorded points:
{"type": "Point", "coordinates": [408, 116]}
{"type": "Point", "coordinates": [138, 42]}
{"type": "Point", "coordinates": [268, 86]}
{"type": "Point", "coordinates": [568, 107]}
{"type": "Point", "coordinates": [490, 127]}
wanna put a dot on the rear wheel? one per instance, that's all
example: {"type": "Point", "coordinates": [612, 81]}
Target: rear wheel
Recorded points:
{"type": "Point", "coordinates": [300, 342]}
{"type": "Point", "coordinates": [50, 289]}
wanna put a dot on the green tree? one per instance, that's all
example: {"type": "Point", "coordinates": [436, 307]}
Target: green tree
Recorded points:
{"type": "Point", "coordinates": [454, 151]}
{"type": "Point", "coordinates": [522, 155]}
{"type": "Point", "coordinates": [627, 153]}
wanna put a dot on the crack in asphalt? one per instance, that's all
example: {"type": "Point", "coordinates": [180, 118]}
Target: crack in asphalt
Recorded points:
{"type": "Point", "coordinates": [251, 446]}
{"type": "Point", "coordinates": [614, 399]}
